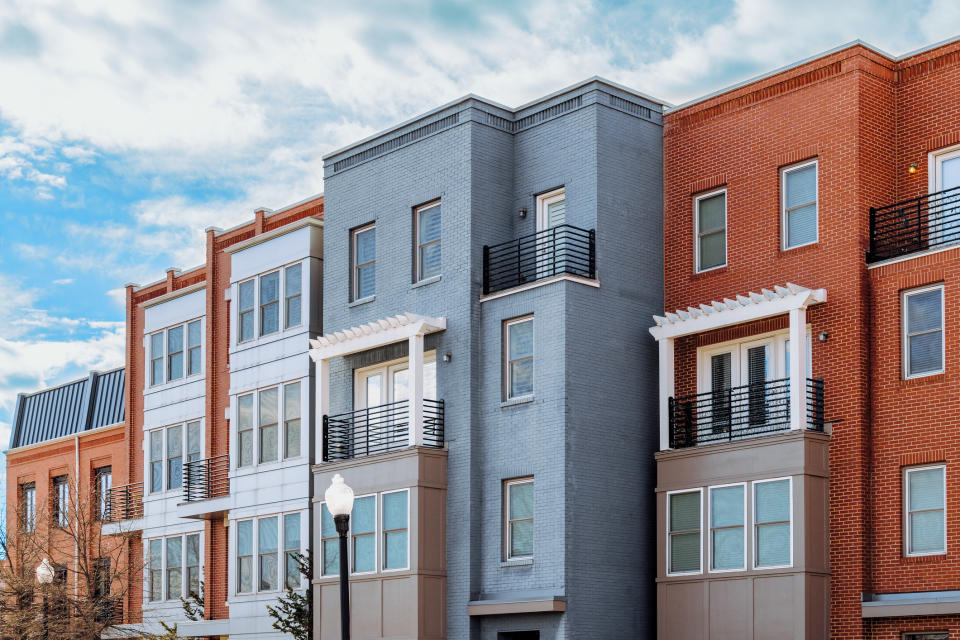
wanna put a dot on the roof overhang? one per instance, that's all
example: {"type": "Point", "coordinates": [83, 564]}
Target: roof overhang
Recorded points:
{"type": "Point", "coordinates": [753, 306]}
{"type": "Point", "coordinates": [374, 334]}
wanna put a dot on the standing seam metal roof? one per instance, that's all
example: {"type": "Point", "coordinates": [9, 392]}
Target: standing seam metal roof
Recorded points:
{"type": "Point", "coordinates": [78, 406]}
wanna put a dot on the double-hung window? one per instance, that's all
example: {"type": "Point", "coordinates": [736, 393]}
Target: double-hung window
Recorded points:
{"type": "Point", "coordinates": [293, 285]}
{"type": "Point", "coordinates": [925, 505]}
{"type": "Point", "coordinates": [427, 233]}
{"type": "Point", "coordinates": [174, 457]}
{"type": "Point", "coordinates": [727, 516]}
{"type": "Point", "coordinates": [268, 424]}
{"type": "Point", "coordinates": [291, 550]}
{"type": "Point", "coordinates": [278, 412]}
{"type": "Point", "coordinates": [267, 550]}
{"type": "Point", "coordinates": [246, 311]}
{"type": "Point", "coordinates": [684, 523]}
{"type": "Point", "coordinates": [193, 348]}
{"type": "Point", "coordinates": [245, 556]}
{"type": "Point", "coordinates": [364, 256]}
{"type": "Point", "coordinates": [772, 508]}
{"type": "Point", "coordinates": [395, 519]}
{"type": "Point", "coordinates": [379, 528]}
{"type": "Point", "coordinates": [155, 563]}
{"type": "Point", "coordinates": [194, 441]}
{"type": "Point", "coordinates": [61, 501]}
{"type": "Point", "coordinates": [923, 345]}
{"type": "Point", "coordinates": [291, 420]}
{"type": "Point", "coordinates": [174, 567]}
{"type": "Point", "coordinates": [269, 303]}
{"type": "Point", "coordinates": [329, 543]}
{"type": "Point", "coordinates": [156, 359]}
{"type": "Point", "coordinates": [176, 352]}
{"type": "Point", "coordinates": [245, 430]}
{"type": "Point", "coordinates": [258, 553]}
{"type": "Point", "coordinates": [363, 533]}
{"type": "Point", "coordinates": [518, 520]}
{"type": "Point", "coordinates": [168, 450]}
{"type": "Point", "coordinates": [156, 461]}
{"type": "Point", "coordinates": [193, 565]}
{"type": "Point", "coordinates": [799, 205]}
{"type": "Point", "coordinates": [518, 358]}
{"type": "Point", "coordinates": [103, 481]}
{"type": "Point", "coordinates": [710, 222]}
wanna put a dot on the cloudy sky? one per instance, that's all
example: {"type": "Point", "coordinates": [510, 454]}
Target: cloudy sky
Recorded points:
{"type": "Point", "coordinates": [127, 128]}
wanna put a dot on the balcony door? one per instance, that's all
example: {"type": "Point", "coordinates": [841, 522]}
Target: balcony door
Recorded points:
{"type": "Point", "coordinates": [736, 377]}
{"type": "Point", "coordinates": [944, 225]}
{"type": "Point", "coordinates": [383, 390]}
{"type": "Point", "coordinates": [551, 214]}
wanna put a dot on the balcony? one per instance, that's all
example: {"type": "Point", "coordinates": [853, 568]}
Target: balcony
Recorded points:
{"type": "Point", "coordinates": [918, 224]}
{"type": "Point", "coordinates": [124, 503]}
{"type": "Point", "coordinates": [738, 413]}
{"type": "Point", "coordinates": [379, 429]}
{"type": "Point", "coordinates": [206, 488]}
{"type": "Point", "coordinates": [563, 249]}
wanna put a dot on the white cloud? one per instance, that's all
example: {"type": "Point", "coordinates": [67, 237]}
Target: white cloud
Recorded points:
{"type": "Point", "coordinates": [63, 281]}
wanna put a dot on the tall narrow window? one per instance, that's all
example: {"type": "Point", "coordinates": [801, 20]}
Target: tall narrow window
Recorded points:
{"type": "Point", "coordinates": [193, 348]}
{"type": "Point", "coordinates": [519, 518]}
{"type": "Point", "coordinates": [428, 241]}
{"type": "Point", "coordinates": [684, 528]}
{"type": "Point", "coordinates": [174, 567]}
{"type": "Point", "coordinates": [267, 548]}
{"type": "Point", "coordinates": [269, 303]}
{"type": "Point", "coordinates": [292, 286]}
{"type": "Point", "coordinates": [329, 543]}
{"type": "Point", "coordinates": [518, 365]}
{"type": "Point", "coordinates": [245, 556]}
{"type": "Point", "coordinates": [291, 420]}
{"type": "Point", "coordinates": [268, 425]}
{"type": "Point", "coordinates": [61, 501]}
{"type": "Point", "coordinates": [103, 479]}
{"type": "Point", "coordinates": [193, 564]}
{"type": "Point", "coordinates": [926, 511]}
{"type": "Point", "coordinates": [771, 500]}
{"type": "Point", "coordinates": [363, 523]}
{"type": "Point", "coordinates": [291, 547]}
{"type": "Point", "coordinates": [799, 199]}
{"type": "Point", "coordinates": [194, 441]}
{"type": "Point", "coordinates": [727, 548]}
{"type": "Point", "coordinates": [245, 430]}
{"type": "Point", "coordinates": [395, 524]}
{"type": "Point", "coordinates": [28, 496]}
{"type": "Point", "coordinates": [923, 331]}
{"type": "Point", "coordinates": [175, 353]}
{"type": "Point", "coordinates": [156, 358]}
{"type": "Point", "coordinates": [711, 230]}
{"type": "Point", "coordinates": [156, 461]}
{"type": "Point", "coordinates": [156, 569]}
{"type": "Point", "coordinates": [174, 457]}
{"type": "Point", "coordinates": [364, 253]}
{"type": "Point", "coordinates": [246, 311]}
{"type": "Point", "coordinates": [101, 579]}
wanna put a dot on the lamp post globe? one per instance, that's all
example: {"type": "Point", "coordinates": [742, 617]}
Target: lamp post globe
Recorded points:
{"type": "Point", "coordinates": [339, 499]}
{"type": "Point", "coordinates": [45, 572]}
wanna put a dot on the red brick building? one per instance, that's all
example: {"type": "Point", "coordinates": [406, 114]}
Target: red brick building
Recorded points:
{"type": "Point", "coordinates": [789, 179]}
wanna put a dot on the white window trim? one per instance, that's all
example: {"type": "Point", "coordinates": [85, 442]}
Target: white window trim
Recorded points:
{"type": "Point", "coordinates": [710, 527]}
{"type": "Point", "coordinates": [304, 515]}
{"type": "Point", "coordinates": [165, 596]}
{"type": "Point", "coordinates": [254, 311]}
{"type": "Point", "coordinates": [183, 455]}
{"type": "Point", "coordinates": [386, 369]}
{"type": "Point", "coordinates": [904, 341]}
{"type": "Point", "coordinates": [255, 538]}
{"type": "Point", "coordinates": [753, 523]}
{"type": "Point", "coordinates": [376, 538]}
{"type": "Point", "coordinates": [544, 200]}
{"type": "Point", "coordinates": [280, 302]}
{"type": "Point", "coordinates": [285, 299]}
{"type": "Point", "coordinates": [281, 426]}
{"type": "Point", "coordinates": [934, 160]}
{"type": "Point", "coordinates": [354, 265]}
{"type": "Point", "coordinates": [164, 332]}
{"type": "Point", "coordinates": [507, 537]}
{"type": "Point", "coordinates": [505, 366]}
{"type": "Point", "coordinates": [416, 240]}
{"type": "Point", "coordinates": [777, 340]}
{"type": "Point", "coordinates": [783, 202]}
{"type": "Point", "coordinates": [670, 572]}
{"type": "Point", "coordinates": [906, 509]}
{"type": "Point", "coordinates": [382, 533]}
{"type": "Point", "coordinates": [282, 327]}
{"type": "Point", "coordinates": [696, 230]}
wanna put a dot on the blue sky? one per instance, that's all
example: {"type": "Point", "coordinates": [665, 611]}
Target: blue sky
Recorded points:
{"type": "Point", "coordinates": [127, 128]}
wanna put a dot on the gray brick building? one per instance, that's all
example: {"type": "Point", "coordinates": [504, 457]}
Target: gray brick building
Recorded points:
{"type": "Point", "coordinates": [487, 379]}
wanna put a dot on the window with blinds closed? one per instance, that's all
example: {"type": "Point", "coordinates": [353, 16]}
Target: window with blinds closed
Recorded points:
{"type": "Point", "coordinates": [727, 550]}
{"type": "Point", "coordinates": [926, 511]}
{"type": "Point", "coordinates": [923, 331]}
{"type": "Point", "coordinates": [772, 533]}
{"type": "Point", "coordinates": [711, 231]}
{"type": "Point", "coordinates": [799, 199]}
{"type": "Point", "coordinates": [684, 516]}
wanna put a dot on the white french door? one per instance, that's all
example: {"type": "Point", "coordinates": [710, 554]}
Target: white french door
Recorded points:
{"type": "Point", "coordinates": [736, 378]}
{"type": "Point", "coordinates": [944, 225]}
{"type": "Point", "coordinates": [382, 389]}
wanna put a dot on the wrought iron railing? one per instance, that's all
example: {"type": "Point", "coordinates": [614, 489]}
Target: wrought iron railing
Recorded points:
{"type": "Point", "coordinates": [205, 479]}
{"type": "Point", "coordinates": [927, 222]}
{"type": "Point", "coordinates": [123, 503]}
{"type": "Point", "coordinates": [378, 429]}
{"type": "Point", "coordinates": [738, 413]}
{"type": "Point", "coordinates": [551, 252]}
{"type": "Point", "coordinates": [109, 610]}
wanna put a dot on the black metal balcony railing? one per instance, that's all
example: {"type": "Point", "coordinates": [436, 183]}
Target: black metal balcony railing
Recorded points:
{"type": "Point", "coordinates": [109, 610]}
{"type": "Point", "coordinates": [737, 413]}
{"type": "Point", "coordinates": [124, 503]}
{"type": "Point", "coordinates": [547, 253]}
{"type": "Point", "coordinates": [913, 225]}
{"type": "Point", "coordinates": [364, 432]}
{"type": "Point", "coordinates": [205, 479]}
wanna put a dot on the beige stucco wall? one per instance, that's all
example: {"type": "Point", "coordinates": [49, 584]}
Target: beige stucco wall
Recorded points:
{"type": "Point", "coordinates": [791, 603]}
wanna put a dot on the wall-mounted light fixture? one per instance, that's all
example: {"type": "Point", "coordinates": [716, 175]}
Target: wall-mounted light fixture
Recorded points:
{"type": "Point", "coordinates": [447, 357]}
{"type": "Point", "coordinates": [523, 213]}
{"type": "Point", "coordinates": [824, 336]}
{"type": "Point", "coordinates": [913, 168]}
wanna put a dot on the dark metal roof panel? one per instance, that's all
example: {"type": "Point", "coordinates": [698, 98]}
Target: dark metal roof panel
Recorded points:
{"type": "Point", "coordinates": [74, 407]}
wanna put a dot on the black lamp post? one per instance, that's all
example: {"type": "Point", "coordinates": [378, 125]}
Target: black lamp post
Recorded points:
{"type": "Point", "coordinates": [339, 499]}
{"type": "Point", "coordinates": [45, 574]}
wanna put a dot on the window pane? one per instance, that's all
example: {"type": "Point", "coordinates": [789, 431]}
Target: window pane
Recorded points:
{"type": "Point", "coordinates": [430, 260]}
{"type": "Point", "coordinates": [174, 564]}
{"type": "Point", "coordinates": [291, 401]}
{"type": "Point", "coordinates": [268, 444]}
{"type": "Point", "coordinates": [520, 339]}
{"type": "Point", "coordinates": [926, 489]}
{"type": "Point", "coordinates": [292, 284]}
{"type": "Point", "coordinates": [246, 449]}
{"type": "Point", "coordinates": [245, 537]}
{"type": "Point", "coordinates": [726, 506]}
{"type": "Point", "coordinates": [366, 281]}
{"type": "Point", "coordinates": [291, 532]}
{"type": "Point", "coordinates": [773, 545]}
{"type": "Point", "coordinates": [291, 415]}
{"type": "Point", "coordinates": [193, 334]}
{"type": "Point", "coordinates": [727, 549]}
{"type": "Point", "coordinates": [193, 550]}
{"type": "Point", "coordinates": [521, 501]}
{"type": "Point", "coordinates": [556, 213]}
{"type": "Point", "coordinates": [521, 538]}
{"type": "Point", "coordinates": [713, 250]}
{"type": "Point", "coordinates": [194, 441]}
{"type": "Point", "coordinates": [711, 213]}
{"type": "Point", "coordinates": [267, 546]}
{"type": "Point", "coordinates": [246, 326]}
{"type": "Point", "coordinates": [395, 550]}
{"type": "Point", "coordinates": [685, 511]}
{"type": "Point", "coordinates": [521, 378]}
{"type": "Point", "coordinates": [293, 311]}
{"type": "Point", "coordinates": [270, 319]}
{"type": "Point", "coordinates": [175, 339]}
{"type": "Point", "coordinates": [269, 288]}
{"type": "Point", "coordinates": [430, 224]}
{"type": "Point", "coordinates": [245, 569]}
{"type": "Point", "coordinates": [156, 371]}
{"type": "Point", "coordinates": [773, 501]}
{"type": "Point", "coordinates": [156, 459]}
{"type": "Point", "coordinates": [801, 186]}
{"type": "Point", "coordinates": [366, 246]}
{"type": "Point", "coordinates": [268, 425]}
{"type": "Point", "coordinates": [395, 510]}
{"type": "Point", "coordinates": [364, 515]}
{"type": "Point", "coordinates": [246, 295]}
{"type": "Point", "coordinates": [328, 529]}
{"type": "Point", "coordinates": [802, 225]}
{"type": "Point", "coordinates": [245, 411]}
{"type": "Point", "coordinates": [924, 311]}
{"type": "Point", "coordinates": [926, 351]}
{"type": "Point", "coordinates": [193, 361]}
{"type": "Point", "coordinates": [331, 557]}
{"type": "Point", "coordinates": [926, 532]}
{"type": "Point", "coordinates": [685, 552]}
{"type": "Point", "coordinates": [176, 366]}
{"type": "Point", "coordinates": [267, 535]}
{"type": "Point", "coordinates": [174, 458]}
{"type": "Point", "coordinates": [363, 553]}
{"type": "Point", "coordinates": [156, 345]}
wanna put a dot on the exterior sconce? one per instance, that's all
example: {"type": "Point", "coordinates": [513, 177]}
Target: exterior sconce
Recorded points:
{"type": "Point", "coordinates": [913, 168]}
{"type": "Point", "coordinates": [447, 357]}
{"type": "Point", "coordinates": [523, 213]}
{"type": "Point", "coordinates": [824, 336]}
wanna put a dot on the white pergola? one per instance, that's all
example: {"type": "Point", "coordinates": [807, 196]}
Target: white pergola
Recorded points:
{"type": "Point", "coordinates": [406, 326]}
{"type": "Point", "coordinates": [791, 298]}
